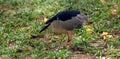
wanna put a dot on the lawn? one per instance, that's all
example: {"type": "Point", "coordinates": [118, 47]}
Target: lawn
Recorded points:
{"type": "Point", "coordinates": [21, 20]}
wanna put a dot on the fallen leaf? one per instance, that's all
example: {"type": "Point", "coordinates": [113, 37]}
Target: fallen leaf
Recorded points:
{"type": "Point", "coordinates": [12, 44]}
{"type": "Point", "coordinates": [103, 1]}
{"type": "Point", "coordinates": [56, 3]}
{"type": "Point", "coordinates": [89, 29]}
{"type": "Point", "coordinates": [113, 12]}
{"type": "Point", "coordinates": [45, 19]}
{"type": "Point", "coordinates": [116, 6]}
{"type": "Point", "coordinates": [106, 35]}
{"type": "Point", "coordinates": [109, 36]}
{"type": "Point", "coordinates": [50, 41]}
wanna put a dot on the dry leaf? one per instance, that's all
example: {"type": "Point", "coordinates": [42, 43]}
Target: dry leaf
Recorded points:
{"type": "Point", "coordinates": [45, 19]}
{"type": "Point", "coordinates": [44, 48]}
{"type": "Point", "coordinates": [89, 26]}
{"type": "Point", "coordinates": [116, 6]}
{"type": "Point", "coordinates": [89, 29]}
{"type": "Point", "coordinates": [109, 36]}
{"type": "Point", "coordinates": [103, 1]}
{"type": "Point", "coordinates": [50, 41]}
{"type": "Point", "coordinates": [113, 12]}
{"type": "Point", "coordinates": [104, 34]}
{"type": "Point", "coordinates": [12, 44]}
{"type": "Point", "coordinates": [27, 49]}
{"type": "Point", "coordinates": [56, 3]}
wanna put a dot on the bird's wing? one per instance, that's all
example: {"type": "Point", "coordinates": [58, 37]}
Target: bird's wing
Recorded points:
{"type": "Point", "coordinates": [74, 22]}
{"type": "Point", "coordinates": [62, 16]}
{"type": "Point", "coordinates": [45, 27]}
{"type": "Point", "coordinates": [71, 24]}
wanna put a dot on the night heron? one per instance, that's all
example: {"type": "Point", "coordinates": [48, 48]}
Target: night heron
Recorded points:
{"type": "Point", "coordinates": [65, 21]}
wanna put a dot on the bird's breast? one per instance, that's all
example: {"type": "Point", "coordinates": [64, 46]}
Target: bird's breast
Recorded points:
{"type": "Point", "coordinates": [64, 26]}
{"type": "Point", "coordinates": [57, 26]}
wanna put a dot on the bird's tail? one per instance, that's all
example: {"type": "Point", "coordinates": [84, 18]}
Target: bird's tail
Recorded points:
{"type": "Point", "coordinates": [44, 28]}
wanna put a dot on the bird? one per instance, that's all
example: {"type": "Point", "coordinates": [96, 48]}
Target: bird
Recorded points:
{"type": "Point", "coordinates": [64, 22]}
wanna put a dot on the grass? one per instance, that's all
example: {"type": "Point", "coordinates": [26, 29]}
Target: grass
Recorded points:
{"type": "Point", "coordinates": [22, 18]}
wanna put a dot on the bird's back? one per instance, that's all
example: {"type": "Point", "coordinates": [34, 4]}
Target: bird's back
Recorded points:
{"type": "Point", "coordinates": [64, 15]}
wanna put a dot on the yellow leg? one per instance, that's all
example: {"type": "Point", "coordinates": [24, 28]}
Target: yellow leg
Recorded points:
{"type": "Point", "coordinates": [69, 38]}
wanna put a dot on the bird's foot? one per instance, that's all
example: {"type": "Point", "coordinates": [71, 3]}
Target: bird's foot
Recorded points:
{"type": "Point", "coordinates": [67, 44]}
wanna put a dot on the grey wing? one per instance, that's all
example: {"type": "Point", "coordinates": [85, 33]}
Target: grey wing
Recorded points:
{"type": "Point", "coordinates": [75, 22]}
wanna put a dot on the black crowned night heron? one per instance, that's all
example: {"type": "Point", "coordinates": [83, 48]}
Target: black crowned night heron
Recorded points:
{"type": "Point", "coordinates": [65, 21]}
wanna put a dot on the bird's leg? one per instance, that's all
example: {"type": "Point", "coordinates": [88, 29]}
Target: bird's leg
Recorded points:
{"type": "Point", "coordinates": [69, 38]}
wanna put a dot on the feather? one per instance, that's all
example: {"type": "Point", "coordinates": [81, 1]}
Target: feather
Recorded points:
{"type": "Point", "coordinates": [64, 15]}
{"type": "Point", "coordinates": [45, 27]}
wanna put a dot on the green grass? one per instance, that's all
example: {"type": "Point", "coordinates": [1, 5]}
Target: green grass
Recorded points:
{"type": "Point", "coordinates": [19, 19]}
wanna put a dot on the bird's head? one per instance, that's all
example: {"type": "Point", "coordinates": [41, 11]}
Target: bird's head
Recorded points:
{"type": "Point", "coordinates": [83, 17]}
